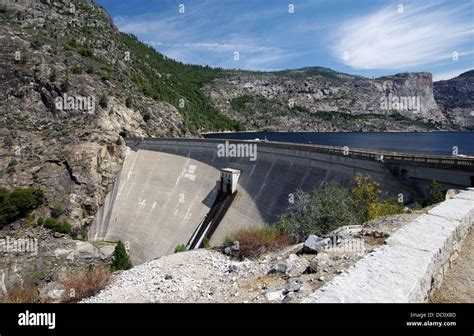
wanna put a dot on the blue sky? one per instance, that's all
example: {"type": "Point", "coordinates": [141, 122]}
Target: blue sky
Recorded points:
{"type": "Point", "coordinates": [369, 38]}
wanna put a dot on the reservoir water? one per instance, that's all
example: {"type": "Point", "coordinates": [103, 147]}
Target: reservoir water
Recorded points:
{"type": "Point", "coordinates": [428, 143]}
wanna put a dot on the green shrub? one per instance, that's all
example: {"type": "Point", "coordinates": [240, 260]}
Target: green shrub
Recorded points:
{"type": "Point", "coordinates": [416, 206]}
{"type": "Point", "coordinates": [332, 206]}
{"type": "Point", "coordinates": [434, 194]}
{"type": "Point", "coordinates": [146, 116]}
{"type": "Point", "coordinates": [318, 213]}
{"type": "Point", "coordinates": [384, 208]}
{"type": "Point", "coordinates": [55, 225]}
{"type": "Point", "coordinates": [365, 192]}
{"type": "Point", "coordinates": [103, 101]}
{"type": "Point", "coordinates": [228, 241]}
{"type": "Point", "coordinates": [18, 203]}
{"type": "Point", "coordinates": [77, 69]}
{"type": "Point", "coordinates": [90, 69]}
{"type": "Point", "coordinates": [54, 74]}
{"type": "Point", "coordinates": [206, 243]}
{"type": "Point", "coordinates": [86, 52]}
{"type": "Point", "coordinates": [66, 84]}
{"type": "Point", "coordinates": [121, 260]}
{"type": "Point", "coordinates": [129, 102]}
{"type": "Point", "coordinates": [180, 248]}
{"type": "Point", "coordinates": [23, 57]}
{"type": "Point", "coordinates": [57, 210]}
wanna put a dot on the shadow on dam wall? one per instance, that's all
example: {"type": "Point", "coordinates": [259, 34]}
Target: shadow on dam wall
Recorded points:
{"type": "Point", "coordinates": [166, 187]}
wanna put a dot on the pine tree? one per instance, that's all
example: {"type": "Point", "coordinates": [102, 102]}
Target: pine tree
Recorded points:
{"type": "Point", "coordinates": [120, 261]}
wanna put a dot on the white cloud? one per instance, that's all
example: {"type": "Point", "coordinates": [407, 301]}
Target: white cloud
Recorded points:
{"type": "Point", "coordinates": [387, 39]}
{"type": "Point", "coordinates": [251, 55]}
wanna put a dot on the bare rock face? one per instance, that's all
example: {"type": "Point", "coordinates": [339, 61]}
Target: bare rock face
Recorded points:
{"type": "Point", "coordinates": [455, 98]}
{"type": "Point", "coordinates": [318, 99]}
{"type": "Point", "coordinates": [66, 104]}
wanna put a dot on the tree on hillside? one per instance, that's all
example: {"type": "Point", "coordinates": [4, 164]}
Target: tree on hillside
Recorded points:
{"type": "Point", "coordinates": [121, 260]}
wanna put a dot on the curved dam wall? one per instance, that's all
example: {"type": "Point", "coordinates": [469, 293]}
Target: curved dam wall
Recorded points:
{"type": "Point", "coordinates": [167, 186]}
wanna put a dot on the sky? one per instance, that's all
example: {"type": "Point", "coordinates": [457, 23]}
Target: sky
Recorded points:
{"type": "Point", "coordinates": [371, 38]}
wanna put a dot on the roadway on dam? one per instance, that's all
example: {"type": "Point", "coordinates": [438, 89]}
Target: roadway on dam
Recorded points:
{"type": "Point", "coordinates": [167, 186]}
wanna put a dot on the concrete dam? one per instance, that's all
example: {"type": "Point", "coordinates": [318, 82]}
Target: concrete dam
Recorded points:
{"type": "Point", "coordinates": [167, 189]}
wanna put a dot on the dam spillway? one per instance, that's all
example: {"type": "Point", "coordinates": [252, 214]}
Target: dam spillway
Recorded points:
{"type": "Point", "coordinates": [167, 186]}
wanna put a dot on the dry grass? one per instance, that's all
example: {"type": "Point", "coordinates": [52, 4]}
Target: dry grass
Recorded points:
{"type": "Point", "coordinates": [25, 293]}
{"type": "Point", "coordinates": [257, 241]}
{"type": "Point", "coordinates": [81, 284]}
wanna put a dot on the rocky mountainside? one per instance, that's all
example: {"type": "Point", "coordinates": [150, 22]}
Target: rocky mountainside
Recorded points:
{"type": "Point", "coordinates": [72, 86]}
{"type": "Point", "coordinates": [455, 98]}
{"type": "Point", "coordinates": [319, 99]}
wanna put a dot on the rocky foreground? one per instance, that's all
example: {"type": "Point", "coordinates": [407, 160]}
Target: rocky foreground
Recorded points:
{"type": "Point", "coordinates": [36, 255]}
{"type": "Point", "coordinates": [289, 275]}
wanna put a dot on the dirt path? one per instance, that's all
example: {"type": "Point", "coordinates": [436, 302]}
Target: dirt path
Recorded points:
{"type": "Point", "coordinates": [458, 284]}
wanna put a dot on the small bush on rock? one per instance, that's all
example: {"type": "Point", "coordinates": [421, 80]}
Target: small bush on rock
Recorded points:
{"type": "Point", "coordinates": [18, 203]}
{"type": "Point", "coordinates": [24, 293]}
{"type": "Point", "coordinates": [180, 248]}
{"type": "Point", "coordinates": [254, 242]}
{"type": "Point", "coordinates": [384, 208]}
{"type": "Point", "coordinates": [57, 210]}
{"type": "Point", "coordinates": [434, 194]}
{"type": "Point", "coordinates": [81, 284]}
{"type": "Point", "coordinates": [55, 225]}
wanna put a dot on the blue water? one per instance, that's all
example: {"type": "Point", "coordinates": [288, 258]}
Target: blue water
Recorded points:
{"type": "Point", "coordinates": [428, 143]}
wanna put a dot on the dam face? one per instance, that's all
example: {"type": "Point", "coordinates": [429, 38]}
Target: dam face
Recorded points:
{"type": "Point", "coordinates": [167, 186]}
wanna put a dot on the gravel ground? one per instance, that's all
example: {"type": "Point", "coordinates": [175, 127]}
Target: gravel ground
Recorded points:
{"type": "Point", "coordinates": [207, 275]}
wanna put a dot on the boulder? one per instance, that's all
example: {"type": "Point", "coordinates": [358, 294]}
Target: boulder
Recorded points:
{"type": "Point", "coordinates": [233, 249]}
{"type": "Point", "coordinates": [314, 265]}
{"type": "Point", "coordinates": [315, 244]}
{"type": "Point", "coordinates": [297, 266]}
{"type": "Point", "coordinates": [274, 296]}
{"type": "Point", "coordinates": [56, 294]}
{"type": "Point", "coordinates": [290, 297]}
{"type": "Point", "coordinates": [292, 287]}
{"type": "Point", "coordinates": [293, 266]}
{"type": "Point", "coordinates": [233, 268]}
{"type": "Point", "coordinates": [281, 266]}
